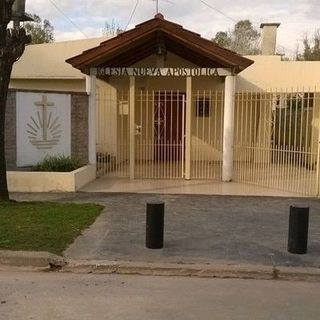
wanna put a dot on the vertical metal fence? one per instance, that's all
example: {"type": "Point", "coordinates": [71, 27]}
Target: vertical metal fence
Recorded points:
{"type": "Point", "coordinates": [277, 140]}
{"type": "Point", "coordinates": [276, 136]}
{"type": "Point", "coordinates": [160, 131]}
{"type": "Point", "coordinates": [112, 125]}
{"type": "Point", "coordinates": [207, 134]}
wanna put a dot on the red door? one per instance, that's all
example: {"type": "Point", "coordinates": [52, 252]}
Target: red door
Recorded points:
{"type": "Point", "coordinates": [168, 126]}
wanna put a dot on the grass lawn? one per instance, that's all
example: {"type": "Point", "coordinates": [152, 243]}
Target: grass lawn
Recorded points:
{"type": "Point", "coordinates": [43, 226]}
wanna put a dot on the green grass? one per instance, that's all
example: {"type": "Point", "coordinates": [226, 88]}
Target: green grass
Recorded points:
{"type": "Point", "coordinates": [43, 226]}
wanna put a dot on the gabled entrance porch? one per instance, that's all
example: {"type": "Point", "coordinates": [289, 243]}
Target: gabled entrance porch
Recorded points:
{"type": "Point", "coordinates": [161, 103]}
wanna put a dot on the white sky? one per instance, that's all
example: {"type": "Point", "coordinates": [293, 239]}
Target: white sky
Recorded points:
{"type": "Point", "coordinates": [297, 17]}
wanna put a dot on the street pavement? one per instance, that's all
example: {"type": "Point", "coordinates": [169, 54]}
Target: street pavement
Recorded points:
{"type": "Point", "coordinates": [65, 296]}
{"type": "Point", "coordinates": [198, 229]}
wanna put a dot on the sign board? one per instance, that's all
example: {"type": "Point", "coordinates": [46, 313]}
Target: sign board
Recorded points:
{"type": "Point", "coordinates": [162, 72]}
{"type": "Point", "coordinates": [43, 126]}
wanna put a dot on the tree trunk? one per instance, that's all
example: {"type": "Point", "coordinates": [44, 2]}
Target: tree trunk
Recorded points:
{"type": "Point", "coordinates": [5, 72]}
{"type": "Point", "coordinates": [12, 45]}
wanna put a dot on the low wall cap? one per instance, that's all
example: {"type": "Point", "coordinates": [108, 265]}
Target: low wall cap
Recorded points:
{"type": "Point", "coordinates": [272, 24]}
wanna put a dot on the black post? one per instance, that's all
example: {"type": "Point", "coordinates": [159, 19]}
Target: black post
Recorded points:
{"type": "Point", "coordinates": [155, 225]}
{"type": "Point", "coordinates": [298, 230]}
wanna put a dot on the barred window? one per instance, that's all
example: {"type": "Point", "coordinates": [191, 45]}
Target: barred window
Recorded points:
{"type": "Point", "coordinates": [203, 108]}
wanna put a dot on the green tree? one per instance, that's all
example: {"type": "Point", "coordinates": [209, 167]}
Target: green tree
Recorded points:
{"type": "Point", "coordinates": [223, 39]}
{"type": "Point", "coordinates": [311, 48]}
{"type": "Point", "coordinates": [243, 39]}
{"type": "Point", "coordinates": [40, 31]}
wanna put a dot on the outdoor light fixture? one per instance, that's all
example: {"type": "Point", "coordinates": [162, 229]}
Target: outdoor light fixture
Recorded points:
{"type": "Point", "coordinates": [19, 11]}
{"type": "Point", "coordinates": [159, 50]}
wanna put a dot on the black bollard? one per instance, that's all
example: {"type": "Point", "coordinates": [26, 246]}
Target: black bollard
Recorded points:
{"type": "Point", "coordinates": [298, 230]}
{"type": "Point", "coordinates": [155, 225]}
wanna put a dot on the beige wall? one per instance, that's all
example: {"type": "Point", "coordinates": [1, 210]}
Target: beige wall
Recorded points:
{"type": "Point", "coordinates": [269, 72]}
{"type": "Point", "coordinates": [67, 85]}
{"type": "Point", "coordinates": [47, 60]}
{"type": "Point", "coordinates": [19, 181]}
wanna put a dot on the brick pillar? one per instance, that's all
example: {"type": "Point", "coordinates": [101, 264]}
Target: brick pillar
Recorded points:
{"type": "Point", "coordinates": [79, 126]}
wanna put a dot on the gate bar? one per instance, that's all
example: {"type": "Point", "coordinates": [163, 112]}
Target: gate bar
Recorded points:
{"type": "Point", "coordinates": [92, 119]}
{"type": "Point", "coordinates": [132, 126]}
{"type": "Point", "coordinates": [188, 127]}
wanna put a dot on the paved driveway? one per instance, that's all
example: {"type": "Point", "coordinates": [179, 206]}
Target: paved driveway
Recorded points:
{"type": "Point", "coordinates": [197, 229]}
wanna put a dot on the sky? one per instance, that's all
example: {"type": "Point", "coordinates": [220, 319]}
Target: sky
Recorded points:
{"type": "Point", "coordinates": [88, 17]}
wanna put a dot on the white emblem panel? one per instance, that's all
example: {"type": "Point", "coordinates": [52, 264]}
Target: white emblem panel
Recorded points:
{"type": "Point", "coordinates": [43, 126]}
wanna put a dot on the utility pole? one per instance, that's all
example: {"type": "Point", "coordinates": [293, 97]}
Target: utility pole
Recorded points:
{"type": "Point", "coordinates": [12, 46]}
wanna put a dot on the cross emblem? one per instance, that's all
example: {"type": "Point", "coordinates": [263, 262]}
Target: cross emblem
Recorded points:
{"type": "Point", "coordinates": [44, 131]}
{"type": "Point", "coordinates": [44, 103]}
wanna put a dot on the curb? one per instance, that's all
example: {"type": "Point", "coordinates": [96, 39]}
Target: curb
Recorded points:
{"type": "Point", "coordinates": [222, 271]}
{"type": "Point", "coordinates": [49, 261]}
{"type": "Point", "coordinates": [39, 259]}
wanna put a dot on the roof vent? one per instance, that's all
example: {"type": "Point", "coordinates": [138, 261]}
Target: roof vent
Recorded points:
{"type": "Point", "coordinates": [159, 16]}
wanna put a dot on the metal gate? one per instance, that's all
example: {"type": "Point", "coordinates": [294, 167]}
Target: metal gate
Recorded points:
{"type": "Point", "coordinates": [113, 140]}
{"type": "Point", "coordinates": [160, 134]}
{"type": "Point", "coordinates": [277, 140]}
{"type": "Point", "coordinates": [207, 134]}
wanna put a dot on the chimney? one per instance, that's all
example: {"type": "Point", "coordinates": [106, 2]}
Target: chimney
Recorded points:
{"type": "Point", "coordinates": [269, 38]}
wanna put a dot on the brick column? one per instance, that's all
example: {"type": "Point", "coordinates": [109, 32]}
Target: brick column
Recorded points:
{"type": "Point", "coordinates": [79, 126]}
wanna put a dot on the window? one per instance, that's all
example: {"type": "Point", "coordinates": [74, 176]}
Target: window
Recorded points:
{"type": "Point", "coordinates": [294, 101]}
{"type": "Point", "coordinates": [203, 108]}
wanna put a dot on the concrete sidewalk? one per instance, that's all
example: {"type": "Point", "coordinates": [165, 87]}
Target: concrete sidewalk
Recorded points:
{"type": "Point", "coordinates": [180, 186]}
{"type": "Point", "coordinates": [198, 229]}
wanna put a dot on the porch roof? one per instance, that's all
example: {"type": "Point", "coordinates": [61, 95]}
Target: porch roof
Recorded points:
{"type": "Point", "coordinates": [134, 45]}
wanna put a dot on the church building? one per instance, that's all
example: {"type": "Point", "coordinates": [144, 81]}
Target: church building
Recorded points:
{"type": "Point", "coordinates": [162, 102]}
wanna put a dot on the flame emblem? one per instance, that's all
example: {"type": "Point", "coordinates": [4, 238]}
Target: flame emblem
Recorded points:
{"type": "Point", "coordinates": [44, 131]}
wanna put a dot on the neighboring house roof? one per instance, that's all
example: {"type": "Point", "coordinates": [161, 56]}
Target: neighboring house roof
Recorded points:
{"type": "Point", "coordinates": [47, 61]}
{"type": "Point", "coordinates": [134, 45]}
